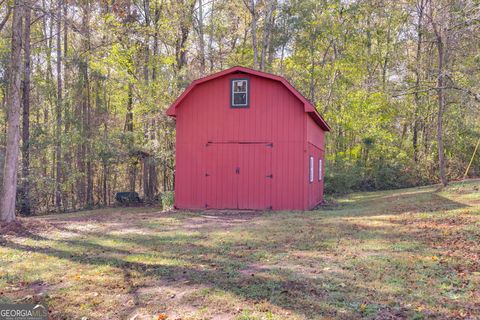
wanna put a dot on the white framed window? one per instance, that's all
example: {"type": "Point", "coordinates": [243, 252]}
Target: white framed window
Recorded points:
{"type": "Point", "coordinates": [240, 93]}
{"type": "Point", "coordinates": [311, 169]}
{"type": "Point", "coordinates": [319, 169]}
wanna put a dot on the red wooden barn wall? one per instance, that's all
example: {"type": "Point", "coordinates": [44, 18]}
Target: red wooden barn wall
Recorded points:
{"type": "Point", "coordinates": [315, 148]}
{"type": "Point", "coordinates": [214, 139]}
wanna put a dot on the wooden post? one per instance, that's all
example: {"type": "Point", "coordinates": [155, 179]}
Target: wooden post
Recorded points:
{"type": "Point", "coordinates": [471, 160]}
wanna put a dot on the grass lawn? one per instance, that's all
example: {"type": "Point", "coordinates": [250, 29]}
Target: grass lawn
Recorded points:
{"type": "Point", "coordinates": [411, 253]}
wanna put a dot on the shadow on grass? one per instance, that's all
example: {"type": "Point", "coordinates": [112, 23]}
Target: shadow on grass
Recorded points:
{"type": "Point", "coordinates": [294, 291]}
{"type": "Point", "coordinates": [224, 278]}
{"type": "Point", "coordinates": [315, 293]}
{"type": "Point", "coordinates": [421, 201]}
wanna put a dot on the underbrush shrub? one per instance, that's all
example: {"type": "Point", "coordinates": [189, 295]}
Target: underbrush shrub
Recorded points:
{"type": "Point", "coordinates": [168, 200]}
{"type": "Point", "coordinates": [345, 175]}
{"type": "Point", "coordinates": [393, 175]}
{"type": "Point", "coordinates": [342, 177]}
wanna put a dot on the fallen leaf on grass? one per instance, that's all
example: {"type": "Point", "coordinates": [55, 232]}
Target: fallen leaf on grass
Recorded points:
{"type": "Point", "coordinates": [27, 297]}
{"type": "Point", "coordinates": [363, 307]}
{"type": "Point", "coordinates": [162, 316]}
{"type": "Point", "coordinates": [76, 277]}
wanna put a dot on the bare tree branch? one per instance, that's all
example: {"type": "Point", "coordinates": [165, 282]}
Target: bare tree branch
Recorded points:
{"type": "Point", "coordinates": [7, 15]}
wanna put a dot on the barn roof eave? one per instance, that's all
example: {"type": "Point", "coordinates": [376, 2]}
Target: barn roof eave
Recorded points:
{"type": "Point", "coordinates": [308, 107]}
{"type": "Point", "coordinates": [320, 121]}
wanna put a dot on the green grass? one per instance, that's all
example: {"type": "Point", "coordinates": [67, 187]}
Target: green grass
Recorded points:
{"type": "Point", "coordinates": [411, 253]}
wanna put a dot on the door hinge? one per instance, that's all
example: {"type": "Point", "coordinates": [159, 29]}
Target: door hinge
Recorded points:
{"type": "Point", "coordinates": [270, 176]}
{"type": "Point", "coordinates": [270, 145]}
{"type": "Point", "coordinates": [208, 143]}
{"type": "Point", "coordinates": [206, 174]}
{"type": "Point", "coordinates": [237, 171]}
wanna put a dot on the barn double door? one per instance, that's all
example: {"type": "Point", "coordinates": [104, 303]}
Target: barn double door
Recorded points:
{"type": "Point", "coordinates": [239, 175]}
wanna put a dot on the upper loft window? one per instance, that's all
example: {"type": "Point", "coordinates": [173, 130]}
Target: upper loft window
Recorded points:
{"type": "Point", "coordinates": [239, 95]}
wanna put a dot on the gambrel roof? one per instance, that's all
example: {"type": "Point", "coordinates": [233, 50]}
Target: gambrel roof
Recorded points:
{"type": "Point", "coordinates": [308, 106]}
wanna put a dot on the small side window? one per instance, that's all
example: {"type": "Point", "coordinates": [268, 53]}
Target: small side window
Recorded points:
{"type": "Point", "coordinates": [319, 169]}
{"type": "Point", "coordinates": [311, 169]}
{"type": "Point", "coordinates": [239, 94]}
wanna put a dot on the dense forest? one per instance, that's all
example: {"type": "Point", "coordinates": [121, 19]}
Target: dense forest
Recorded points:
{"type": "Point", "coordinates": [84, 86]}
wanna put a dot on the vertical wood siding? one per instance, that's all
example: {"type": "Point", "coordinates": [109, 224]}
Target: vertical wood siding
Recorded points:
{"type": "Point", "coordinates": [315, 141]}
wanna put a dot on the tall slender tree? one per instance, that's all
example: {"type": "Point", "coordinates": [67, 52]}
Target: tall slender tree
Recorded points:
{"type": "Point", "coordinates": [8, 195]}
{"type": "Point", "coordinates": [267, 30]}
{"type": "Point", "coordinates": [58, 110]}
{"type": "Point", "coordinates": [201, 37]}
{"type": "Point", "coordinates": [25, 201]}
{"type": "Point", "coordinates": [252, 7]}
{"type": "Point", "coordinates": [418, 56]}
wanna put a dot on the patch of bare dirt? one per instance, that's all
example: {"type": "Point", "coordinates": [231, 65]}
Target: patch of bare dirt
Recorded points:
{"type": "Point", "coordinates": [174, 299]}
{"type": "Point", "coordinates": [388, 313]}
{"type": "Point", "coordinates": [105, 216]}
{"type": "Point", "coordinates": [328, 204]}
{"type": "Point", "coordinates": [24, 292]}
{"type": "Point", "coordinates": [223, 316]}
{"type": "Point", "coordinates": [220, 219]}
{"type": "Point", "coordinates": [25, 227]}
{"type": "Point", "coordinates": [254, 269]}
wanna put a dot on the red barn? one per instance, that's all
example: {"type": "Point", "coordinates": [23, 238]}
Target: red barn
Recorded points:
{"type": "Point", "coordinates": [247, 139]}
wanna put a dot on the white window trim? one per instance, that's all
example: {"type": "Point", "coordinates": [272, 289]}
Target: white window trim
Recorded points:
{"type": "Point", "coordinates": [311, 173]}
{"type": "Point", "coordinates": [320, 169]}
{"type": "Point", "coordinates": [233, 93]}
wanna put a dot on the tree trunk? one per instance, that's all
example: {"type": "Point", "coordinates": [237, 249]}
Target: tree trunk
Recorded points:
{"type": "Point", "coordinates": [386, 58]}
{"type": "Point", "coordinates": [9, 190]}
{"type": "Point", "coordinates": [180, 45]}
{"type": "Point", "coordinates": [132, 163]}
{"type": "Point", "coordinates": [88, 142]}
{"type": "Point", "coordinates": [146, 186]}
{"type": "Point", "coordinates": [210, 38]}
{"type": "Point", "coordinates": [104, 183]}
{"type": "Point", "coordinates": [441, 38]}
{"type": "Point", "coordinates": [129, 116]}
{"type": "Point", "coordinates": [86, 112]}
{"type": "Point", "coordinates": [441, 109]}
{"type": "Point", "coordinates": [417, 81]}
{"type": "Point", "coordinates": [84, 181]}
{"type": "Point", "coordinates": [156, 15]}
{"type": "Point", "coordinates": [201, 38]}
{"type": "Point", "coordinates": [152, 176]}
{"type": "Point", "coordinates": [67, 155]}
{"type": "Point", "coordinates": [25, 203]}
{"type": "Point", "coordinates": [270, 6]}
{"type": "Point", "coordinates": [47, 34]}
{"type": "Point", "coordinates": [181, 52]}
{"type": "Point", "coordinates": [146, 48]}
{"type": "Point", "coordinates": [254, 32]}
{"type": "Point", "coordinates": [80, 150]}
{"type": "Point", "coordinates": [311, 89]}
{"type": "Point", "coordinates": [271, 48]}
{"type": "Point", "coordinates": [58, 111]}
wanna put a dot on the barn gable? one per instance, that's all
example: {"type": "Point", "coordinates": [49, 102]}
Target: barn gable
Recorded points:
{"type": "Point", "coordinates": [308, 107]}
